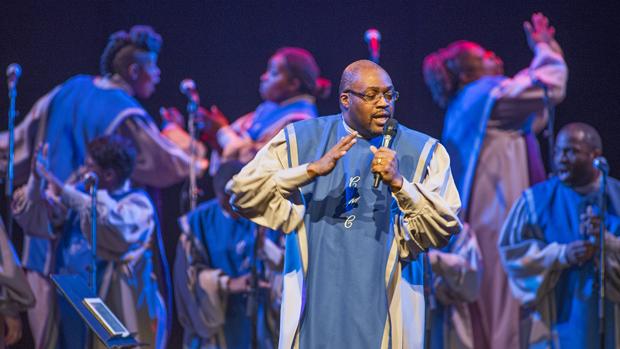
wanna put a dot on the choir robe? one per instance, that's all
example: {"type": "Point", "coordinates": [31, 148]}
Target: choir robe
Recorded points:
{"type": "Point", "coordinates": [353, 271]}
{"type": "Point", "coordinates": [213, 248]}
{"type": "Point", "coordinates": [127, 229]}
{"type": "Point", "coordinates": [490, 132]}
{"type": "Point", "coordinates": [15, 292]}
{"type": "Point", "coordinates": [559, 300]}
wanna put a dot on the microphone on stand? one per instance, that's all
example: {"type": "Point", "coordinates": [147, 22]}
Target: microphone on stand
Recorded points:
{"type": "Point", "coordinates": [188, 88]}
{"type": "Point", "coordinates": [373, 39]}
{"type": "Point", "coordinates": [13, 72]}
{"type": "Point", "coordinates": [601, 163]}
{"type": "Point", "coordinates": [90, 180]}
{"type": "Point", "coordinates": [389, 132]}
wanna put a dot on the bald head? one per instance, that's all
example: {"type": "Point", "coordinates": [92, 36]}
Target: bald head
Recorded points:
{"type": "Point", "coordinates": [353, 71]}
{"type": "Point", "coordinates": [582, 132]}
{"type": "Point", "coordinates": [367, 97]}
{"type": "Point", "coordinates": [576, 147]}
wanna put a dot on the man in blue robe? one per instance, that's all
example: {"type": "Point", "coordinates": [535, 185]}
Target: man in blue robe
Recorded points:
{"type": "Point", "coordinates": [352, 273]}
{"type": "Point", "coordinates": [549, 249]}
{"type": "Point", "coordinates": [213, 275]}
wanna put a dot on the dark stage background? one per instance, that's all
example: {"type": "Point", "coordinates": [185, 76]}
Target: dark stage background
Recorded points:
{"type": "Point", "coordinates": [225, 45]}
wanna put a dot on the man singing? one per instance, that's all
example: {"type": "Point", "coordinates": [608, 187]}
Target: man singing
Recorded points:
{"type": "Point", "coordinates": [348, 242]}
{"type": "Point", "coordinates": [549, 247]}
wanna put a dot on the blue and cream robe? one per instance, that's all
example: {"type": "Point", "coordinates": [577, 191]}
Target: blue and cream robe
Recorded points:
{"type": "Point", "coordinates": [127, 228]}
{"type": "Point", "coordinates": [214, 248]}
{"type": "Point", "coordinates": [353, 273]}
{"type": "Point", "coordinates": [560, 299]}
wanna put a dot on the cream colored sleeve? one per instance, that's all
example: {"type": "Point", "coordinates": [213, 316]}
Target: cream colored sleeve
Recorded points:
{"type": "Point", "coordinates": [533, 265]}
{"type": "Point", "coordinates": [429, 209]}
{"type": "Point", "coordinates": [518, 97]}
{"type": "Point", "coordinates": [160, 162]}
{"type": "Point", "coordinates": [266, 190]}
{"type": "Point", "coordinates": [124, 227]}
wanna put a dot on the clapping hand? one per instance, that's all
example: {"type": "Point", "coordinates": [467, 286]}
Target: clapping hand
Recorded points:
{"type": "Point", "coordinates": [40, 169]}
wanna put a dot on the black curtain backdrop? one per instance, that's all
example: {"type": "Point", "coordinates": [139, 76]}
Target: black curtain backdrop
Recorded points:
{"type": "Point", "coordinates": [224, 46]}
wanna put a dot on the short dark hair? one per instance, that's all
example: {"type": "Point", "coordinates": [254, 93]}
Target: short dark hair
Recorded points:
{"type": "Point", "coordinates": [591, 137]}
{"type": "Point", "coordinates": [301, 65]}
{"type": "Point", "coordinates": [113, 152]}
{"type": "Point", "coordinates": [122, 47]}
{"type": "Point", "coordinates": [225, 172]}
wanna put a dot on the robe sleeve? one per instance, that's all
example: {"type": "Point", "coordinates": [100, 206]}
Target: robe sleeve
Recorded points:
{"type": "Point", "coordinates": [25, 139]}
{"type": "Point", "coordinates": [266, 190]}
{"type": "Point", "coordinates": [160, 162]}
{"type": "Point", "coordinates": [15, 292]}
{"type": "Point", "coordinates": [429, 209]}
{"type": "Point", "coordinates": [124, 227]}
{"type": "Point", "coordinates": [458, 271]}
{"type": "Point", "coordinates": [31, 211]}
{"type": "Point", "coordinates": [199, 290]}
{"type": "Point", "coordinates": [518, 97]}
{"type": "Point", "coordinates": [533, 265]}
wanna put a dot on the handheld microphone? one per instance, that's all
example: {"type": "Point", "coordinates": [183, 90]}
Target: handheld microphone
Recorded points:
{"type": "Point", "coordinates": [90, 179]}
{"type": "Point", "coordinates": [373, 39]}
{"type": "Point", "coordinates": [13, 72]}
{"type": "Point", "coordinates": [188, 88]}
{"type": "Point", "coordinates": [389, 132]}
{"type": "Point", "coordinates": [601, 163]}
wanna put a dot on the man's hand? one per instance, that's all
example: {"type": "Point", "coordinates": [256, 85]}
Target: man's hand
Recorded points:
{"type": "Point", "coordinates": [540, 31]}
{"type": "Point", "coordinates": [212, 120]}
{"type": "Point", "coordinates": [243, 284]}
{"type": "Point", "coordinates": [239, 284]}
{"type": "Point", "coordinates": [385, 164]}
{"type": "Point", "coordinates": [578, 252]}
{"type": "Point", "coordinates": [13, 329]}
{"type": "Point", "coordinates": [39, 163]}
{"type": "Point", "coordinates": [326, 164]}
{"type": "Point", "coordinates": [172, 115]}
{"type": "Point", "coordinates": [40, 170]}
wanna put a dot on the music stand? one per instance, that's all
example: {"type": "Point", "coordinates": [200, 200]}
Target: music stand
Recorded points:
{"type": "Point", "coordinates": [75, 290]}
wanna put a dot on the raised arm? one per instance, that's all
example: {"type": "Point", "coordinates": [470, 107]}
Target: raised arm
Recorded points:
{"type": "Point", "coordinates": [517, 98]}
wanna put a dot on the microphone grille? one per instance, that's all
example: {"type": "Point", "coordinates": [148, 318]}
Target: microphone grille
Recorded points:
{"type": "Point", "coordinates": [14, 70]}
{"type": "Point", "coordinates": [390, 128]}
{"type": "Point", "coordinates": [372, 33]}
{"type": "Point", "coordinates": [187, 85]}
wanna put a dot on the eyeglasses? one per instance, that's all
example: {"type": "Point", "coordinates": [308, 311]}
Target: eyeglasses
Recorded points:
{"type": "Point", "coordinates": [375, 96]}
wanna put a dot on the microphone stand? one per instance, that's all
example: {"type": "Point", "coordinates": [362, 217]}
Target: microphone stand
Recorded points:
{"type": "Point", "coordinates": [601, 269]}
{"type": "Point", "coordinates": [192, 108]}
{"type": "Point", "coordinates": [11, 162]}
{"type": "Point", "coordinates": [550, 108]}
{"type": "Point", "coordinates": [252, 302]}
{"type": "Point", "coordinates": [93, 237]}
